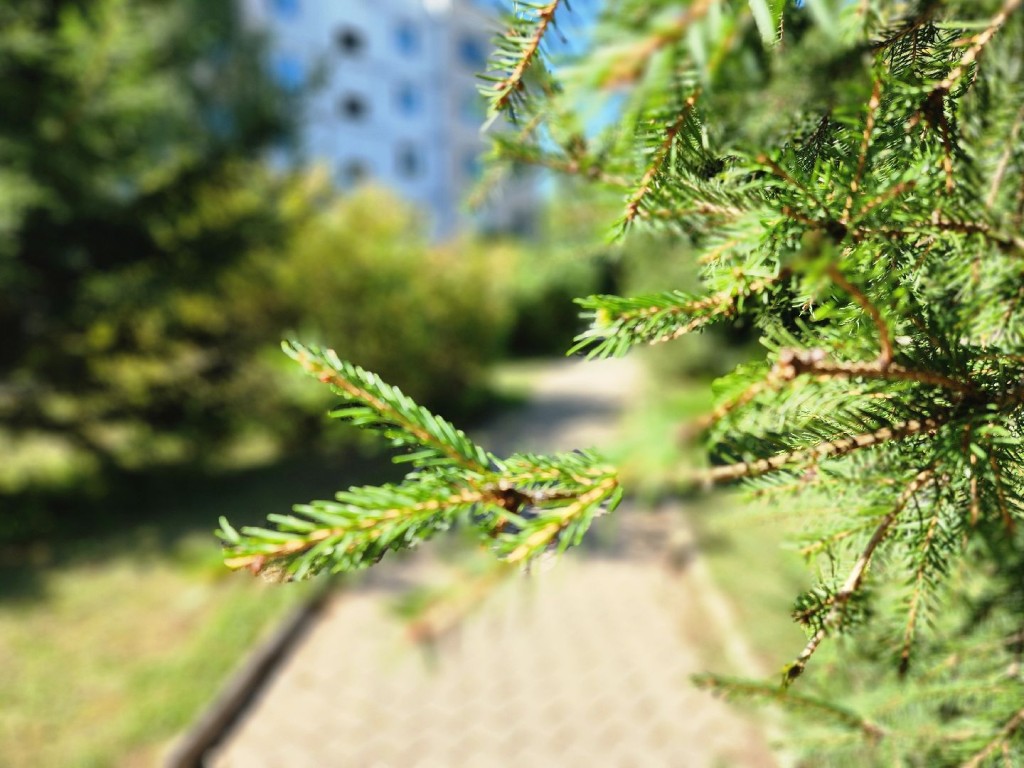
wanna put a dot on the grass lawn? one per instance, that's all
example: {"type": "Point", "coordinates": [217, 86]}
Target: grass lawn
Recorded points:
{"type": "Point", "coordinates": [112, 645]}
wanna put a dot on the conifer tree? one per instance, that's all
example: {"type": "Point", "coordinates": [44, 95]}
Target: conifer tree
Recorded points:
{"type": "Point", "coordinates": [849, 174]}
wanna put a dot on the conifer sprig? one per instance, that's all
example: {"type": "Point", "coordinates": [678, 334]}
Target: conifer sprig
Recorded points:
{"type": "Point", "coordinates": [517, 52]}
{"type": "Point", "coordinates": [838, 602]}
{"type": "Point", "coordinates": [374, 405]}
{"type": "Point", "coordinates": [522, 506]}
{"type": "Point", "coordinates": [739, 688]}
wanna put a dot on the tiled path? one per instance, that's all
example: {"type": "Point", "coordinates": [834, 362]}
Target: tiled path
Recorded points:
{"type": "Point", "coordinates": [585, 664]}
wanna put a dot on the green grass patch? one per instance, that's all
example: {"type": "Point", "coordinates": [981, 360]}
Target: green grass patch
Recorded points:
{"type": "Point", "coordinates": [121, 655]}
{"type": "Point", "coordinates": [114, 643]}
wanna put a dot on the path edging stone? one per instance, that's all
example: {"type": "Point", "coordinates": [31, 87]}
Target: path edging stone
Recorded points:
{"type": "Point", "coordinates": [216, 720]}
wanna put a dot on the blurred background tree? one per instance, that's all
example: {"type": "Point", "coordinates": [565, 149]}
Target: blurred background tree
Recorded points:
{"type": "Point", "coordinates": [151, 258]}
{"type": "Point", "coordinates": [129, 184]}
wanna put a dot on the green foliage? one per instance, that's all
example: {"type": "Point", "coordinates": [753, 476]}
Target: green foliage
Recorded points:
{"type": "Point", "coordinates": [149, 260]}
{"type": "Point", "coordinates": [522, 506]}
{"type": "Point", "coordinates": [847, 176]}
{"type": "Point", "coordinates": [126, 190]}
{"type": "Point", "coordinates": [360, 270]}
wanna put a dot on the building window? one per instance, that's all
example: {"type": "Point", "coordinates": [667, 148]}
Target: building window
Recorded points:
{"type": "Point", "coordinates": [288, 71]}
{"type": "Point", "coordinates": [472, 53]}
{"type": "Point", "coordinates": [521, 224]}
{"type": "Point", "coordinates": [408, 98]}
{"type": "Point", "coordinates": [407, 38]}
{"type": "Point", "coordinates": [285, 9]}
{"type": "Point", "coordinates": [353, 107]}
{"type": "Point", "coordinates": [353, 172]}
{"type": "Point", "coordinates": [350, 41]}
{"type": "Point", "coordinates": [408, 161]}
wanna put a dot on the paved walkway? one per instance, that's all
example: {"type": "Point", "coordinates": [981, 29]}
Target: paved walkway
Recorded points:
{"type": "Point", "coordinates": [583, 664]}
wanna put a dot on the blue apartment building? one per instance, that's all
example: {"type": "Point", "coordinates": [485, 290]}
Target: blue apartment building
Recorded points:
{"type": "Point", "coordinates": [397, 101]}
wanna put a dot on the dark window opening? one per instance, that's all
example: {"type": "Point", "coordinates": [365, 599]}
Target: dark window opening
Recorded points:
{"type": "Point", "coordinates": [521, 224]}
{"type": "Point", "coordinates": [473, 109]}
{"type": "Point", "coordinates": [285, 9]}
{"type": "Point", "coordinates": [471, 165]}
{"type": "Point", "coordinates": [353, 172]}
{"type": "Point", "coordinates": [472, 53]}
{"type": "Point", "coordinates": [408, 99]}
{"type": "Point", "coordinates": [407, 38]}
{"type": "Point", "coordinates": [353, 107]}
{"type": "Point", "coordinates": [408, 162]}
{"type": "Point", "coordinates": [288, 71]}
{"type": "Point", "coordinates": [350, 41]}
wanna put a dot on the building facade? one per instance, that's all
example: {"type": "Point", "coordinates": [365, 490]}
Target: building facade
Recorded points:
{"type": "Point", "coordinates": [395, 98]}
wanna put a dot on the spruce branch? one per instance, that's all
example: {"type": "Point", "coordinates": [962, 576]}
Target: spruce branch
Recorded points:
{"type": "Point", "coordinates": [618, 324]}
{"type": "Point", "coordinates": [521, 506]}
{"type": "Point", "coordinates": [1004, 159]}
{"type": "Point", "coordinates": [379, 407]}
{"type": "Point", "coordinates": [978, 43]}
{"type": "Point", "coordinates": [633, 60]}
{"type": "Point", "coordinates": [793, 363]}
{"type": "Point", "coordinates": [866, 223]}
{"type": "Point", "coordinates": [1006, 733]}
{"type": "Point", "coordinates": [925, 555]}
{"type": "Point", "coordinates": [714, 211]}
{"type": "Point", "coordinates": [818, 452]}
{"type": "Point", "coordinates": [862, 156]}
{"type": "Point", "coordinates": [739, 688]}
{"type": "Point", "coordinates": [584, 166]}
{"type": "Point", "coordinates": [516, 53]}
{"type": "Point", "coordinates": [884, 338]}
{"type": "Point", "coordinates": [661, 155]}
{"type": "Point", "coordinates": [856, 575]}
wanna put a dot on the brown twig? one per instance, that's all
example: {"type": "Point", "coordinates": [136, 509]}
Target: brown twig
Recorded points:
{"type": "Point", "coordinates": [1004, 242]}
{"type": "Point", "coordinates": [1011, 726]}
{"type": "Point", "coordinates": [514, 81]}
{"type": "Point", "coordinates": [972, 459]}
{"type": "Point", "coordinates": [700, 209]}
{"type": "Point", "coordinates": [783, 174]}
{"type": "Point", "coordinates": [1004, 160]}
{"type": "Point", "coordinates": [568, 166]}
{"type": "Point", "coordinates": [884, 339]}
{"type": "Point", "coordinates": [792, 363]}
{"type": "Point", "coordinates": [856, 575]}
{"type": "Point", "coordinates": [1000, 495]}
{"type": "Point", "coordinates": [978, 44]}
{"type": "Point", "coordinates": [826, 450]}
{"type": "Point", "coordinates": [631, 66]}
{"type": "Point", "coordinates": [865, 145]}
{"type": "Point", "coordinates": [633, 204]}
{"type": "Point", "coordinates": [894, 191]}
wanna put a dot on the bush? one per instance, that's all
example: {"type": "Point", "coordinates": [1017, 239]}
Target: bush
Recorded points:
{"type": "Point", "coordinates": [361, 273]}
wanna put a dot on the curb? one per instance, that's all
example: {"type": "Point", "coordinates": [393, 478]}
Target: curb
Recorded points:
{"type": "Point", "coordinates": [189, 750]}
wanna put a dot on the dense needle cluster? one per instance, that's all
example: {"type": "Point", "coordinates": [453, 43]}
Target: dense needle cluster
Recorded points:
{"type": "Point", "coordinates": [850, 177]}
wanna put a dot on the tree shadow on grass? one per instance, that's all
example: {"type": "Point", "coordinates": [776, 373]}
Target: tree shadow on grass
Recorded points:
{"type": "Point", "coordinates": [156, 513]}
